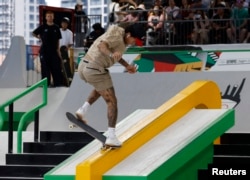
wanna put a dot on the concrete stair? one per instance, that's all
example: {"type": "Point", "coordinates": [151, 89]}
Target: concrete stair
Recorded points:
{"type": "Point", "coordinates": [40, 157]}
{"type": "Point", "coordinates": [233, 152]}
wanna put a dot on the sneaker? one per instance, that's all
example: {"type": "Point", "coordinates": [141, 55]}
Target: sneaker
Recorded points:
{"type": "Point", "coordinates": [80, 113]}
{"type": "Point", "coordinates": [113, 142]}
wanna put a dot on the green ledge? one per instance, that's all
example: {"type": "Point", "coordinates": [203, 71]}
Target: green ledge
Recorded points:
{"type": "Point", "coordinates": [196, 155]}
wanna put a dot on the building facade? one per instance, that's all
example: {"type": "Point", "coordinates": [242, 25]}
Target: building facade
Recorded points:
{"type": "Point", "coordinates": [18, 18]}
{"type": "Point", "coordinates": [21, 17]}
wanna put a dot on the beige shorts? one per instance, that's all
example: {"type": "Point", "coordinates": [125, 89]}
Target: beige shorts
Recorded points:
{"type": "Point", "coordinates": [99, 78]}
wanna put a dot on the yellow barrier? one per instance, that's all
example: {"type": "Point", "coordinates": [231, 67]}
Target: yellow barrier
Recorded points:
{"type": "Point", "coordinates": [200, 95]}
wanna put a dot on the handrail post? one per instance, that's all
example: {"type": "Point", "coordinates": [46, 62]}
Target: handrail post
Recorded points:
{"type": "Point", "coordinates": [10, 132]}
{"type": "Point", "coordinates": [36, 126]}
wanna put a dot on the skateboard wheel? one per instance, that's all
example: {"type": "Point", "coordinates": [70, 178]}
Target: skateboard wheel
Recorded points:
{"type": "Point", "coordinates": [106, 147]}
{"type": "Point", "coordinates": [72, 126]}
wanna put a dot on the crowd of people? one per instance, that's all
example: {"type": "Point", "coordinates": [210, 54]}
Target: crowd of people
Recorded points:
{"type": "Point", "coordinates": [186, 22]}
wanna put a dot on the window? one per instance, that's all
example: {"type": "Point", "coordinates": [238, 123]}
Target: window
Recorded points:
{"type": "Point", "coordinates": [32, 26]}
{"type": "Point", "coordinates": [95, 2]}
{"type": "Point", "coordinates": [105, 10]}
{"type": "Point", "coordinates": [32, 17]}
{"type": "Point", "coordinates": [96, 11]}
{"type": "Point", "coordinates": [31, 42]}
{"type": "Point", "coordinates": [31, 9]}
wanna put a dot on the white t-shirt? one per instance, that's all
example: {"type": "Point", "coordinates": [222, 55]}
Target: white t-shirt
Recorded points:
{"type": "Point", "coordinates": [67, 38]}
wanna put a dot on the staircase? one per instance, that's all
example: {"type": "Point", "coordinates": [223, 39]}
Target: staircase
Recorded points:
{"type": "Point", "coordinates": [40, 157]}
{"type": "Point", "coordinates": [54, 147]}
{"type": "Point", "coordinates": [233, 152]}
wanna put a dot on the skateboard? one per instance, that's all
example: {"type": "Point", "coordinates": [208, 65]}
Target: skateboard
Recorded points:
{"type": "Point", "coordinates": [65, 65]}
{"type": "Point", "coordinates": [90, 130]}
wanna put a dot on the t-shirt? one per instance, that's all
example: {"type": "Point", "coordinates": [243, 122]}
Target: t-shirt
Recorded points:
{"type": "Point", "coordinates": [114, 37]}
{"type": "Point", "coordinates": [50, 35]}
{"type": "Point", "coordinates": [67, 38]}
{"type": "Point", "coordinates": [239, 15]}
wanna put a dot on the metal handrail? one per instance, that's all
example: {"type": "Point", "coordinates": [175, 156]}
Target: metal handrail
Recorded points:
{"type": "Point", "coordinates": [24, 118]}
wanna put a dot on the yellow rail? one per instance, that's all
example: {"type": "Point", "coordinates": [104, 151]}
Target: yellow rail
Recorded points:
{"type": "Point", "coordinates": [200, 95]}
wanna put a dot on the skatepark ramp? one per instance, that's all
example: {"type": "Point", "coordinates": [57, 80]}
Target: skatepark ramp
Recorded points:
{"type": "Point", "coordinates": [12, 70]}
{"type": "Point", "coordinates": [161, 138]}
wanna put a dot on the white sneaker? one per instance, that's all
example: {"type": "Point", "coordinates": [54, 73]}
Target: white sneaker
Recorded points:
{"type": "Point", "coordinates": [80, 113]}
{"type": "Point", "coordinates": [113, 141]}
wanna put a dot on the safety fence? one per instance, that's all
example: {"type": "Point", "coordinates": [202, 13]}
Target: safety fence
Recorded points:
{"type": "Point", "coordinates": [219, 25]}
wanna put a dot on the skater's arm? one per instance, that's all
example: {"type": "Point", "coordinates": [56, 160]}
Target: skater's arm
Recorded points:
{"type": "Point", "coordinates": [123, 62]}
{"type": "Point", "coordinates": [117, 56]}
{"type": "Point", "coordinates": [130, 68]}
{"type": "Point", "coordinates": [104, 48]}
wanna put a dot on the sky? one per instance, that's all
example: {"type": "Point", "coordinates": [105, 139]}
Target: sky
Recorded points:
{"type": "Point", "coordinates": [55, 3]}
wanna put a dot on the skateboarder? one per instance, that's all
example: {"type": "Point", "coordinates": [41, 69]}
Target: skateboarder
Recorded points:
{"type": "Point", "coordinates": [93, 69]}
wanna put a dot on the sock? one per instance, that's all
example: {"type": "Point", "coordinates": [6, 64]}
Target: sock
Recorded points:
{"type": "Point", "coordinates": [86, 106]}
{"type": "Point", "coordinates": [111, 132]}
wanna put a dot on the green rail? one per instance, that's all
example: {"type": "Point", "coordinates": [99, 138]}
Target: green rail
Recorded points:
{"type": "Point", "coordinates": [26, 115]}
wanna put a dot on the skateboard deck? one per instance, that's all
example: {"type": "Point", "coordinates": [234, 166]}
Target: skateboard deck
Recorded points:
{"type": "Point", "coordinates": [65, 65]}
{"type": "Point", "coordinates": [91, 131]}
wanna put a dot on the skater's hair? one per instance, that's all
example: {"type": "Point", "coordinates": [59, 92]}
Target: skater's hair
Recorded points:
{"type": "Point", "coordinates": [133, 30]}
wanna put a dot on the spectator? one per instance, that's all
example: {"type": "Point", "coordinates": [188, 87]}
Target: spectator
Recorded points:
{"type": "Point", "coordinates": [172, 13]}
{"type": "Point", "coordinates": [115, 8]}
{"type": "Point", "coordinates": [143, 13]}
{"type": "Point", "coordinates": [185, 9]}
{"type": "Point", "coordinates": [49, 34]}
{"type": "Point", "coordinates": [140, 4]}
{"type": "Point", "coordinates": [247, 40]}
{"type": "Point", "coordinates": [212, 10]}
{"type": "Point", "coordinates": [185, 27]}
{"type": "Point", "coordinates": [201, 27]}
{"type": "Point", "coordinates": [198, 5]}
{"type": "Point", "coordinates": [220, 24]}
{"type": "Point", "coordinates": [67, 35]}
{"type": "Point", "coordinates": [172, 10]}
{"type": "Point", "coordinates": [130, 18]}
{"type": "Point", "coordinates": [238, 23]}
{"type": "Point", "coordinates": [98, 30]}
{"type": "Point", "coordinates": [81, 23]}
{"type": "Point", "coordinates": [155, 25]}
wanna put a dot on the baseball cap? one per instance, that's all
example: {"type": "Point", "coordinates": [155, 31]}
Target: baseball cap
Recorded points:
{"type": "Point", "coordinates": [79, 2]}
{"type": "Point", "coordinates": [65, 19]}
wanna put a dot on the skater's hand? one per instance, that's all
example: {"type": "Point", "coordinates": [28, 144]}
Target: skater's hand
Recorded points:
{"type": "Point", "coordinates": [131, 69]}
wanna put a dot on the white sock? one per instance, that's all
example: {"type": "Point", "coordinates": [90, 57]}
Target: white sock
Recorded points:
{"type": "Point", "coordinates": [111, 132]}
{"type": "Point", "coordinates": [86, 106]}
